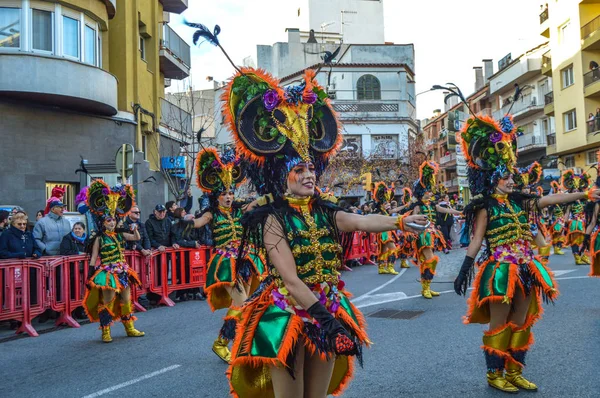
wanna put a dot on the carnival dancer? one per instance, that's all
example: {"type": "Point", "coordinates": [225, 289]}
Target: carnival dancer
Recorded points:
{"type": "Point", "coordinates": [431, 239]}
{"type": "Point", "coordinates": [406, 239]}
{"type": "Point", "coordinates": [230, 278]}
{"type": "Point", "coordinates": [382, 194]}
{"type": "Point", "coordinates": [575, 215]}
{"type": "Point", "coordinates": [299, 332]}
{"type": "Point", "coordinates": [592, 233]}
{"type": "Point", "coordinates": [511, 281]}
{"type": "Point", "coordinates": [108, 297]}
{"type": "Point", "coordinates": [557, 222]}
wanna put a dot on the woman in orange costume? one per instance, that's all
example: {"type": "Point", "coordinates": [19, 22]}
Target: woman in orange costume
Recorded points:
{"type": "Point", "coordinates": [382, 194]}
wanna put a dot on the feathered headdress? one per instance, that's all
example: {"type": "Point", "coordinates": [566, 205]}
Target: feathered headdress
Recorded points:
{"type": "Point", "coordinates": [575, 182]}
{"type": "Point", "coordinates": [426, 181]}
{"type": "Point", "coordinates": [382, 192]}
{"type": "Point", "coordinates": [218, 173]}
{"type": "Point", "coordinates": [106, 202]}
{"type": "Point", "coordinates": [406, 195]}
{"type": "Point", "coordinates": [554, 187]}
{"type": "Point", "coordinates": [527, 177]}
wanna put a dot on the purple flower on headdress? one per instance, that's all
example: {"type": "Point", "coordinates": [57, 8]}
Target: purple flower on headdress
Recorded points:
{"type": "Point", "coordinates": [215, 163]}
{"type": "Point", "coordinates": [123, 193]}
{"type": "Point", "coordinates": [495, 137]}
{"type": "Point", "coordinates": [105, 191]}
{"type": "Point", "coordinates": [271, 100]}
{"type": "Point", "coordinates": [309, 97]}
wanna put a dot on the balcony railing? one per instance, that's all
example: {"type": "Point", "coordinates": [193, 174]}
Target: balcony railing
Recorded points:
{"type": "Point", "coordinates": [522, 105]}
{"type": "Point", "coordinates": [447, 159]}
{"type": "Point", "coordinates": [593, 126]}
{"type": "Point", "coordinates": [175, 118]}
{"type": "Point", "coordinates": [549, 98]}
{"type": "Point", "coordinates": [486, 112]}
{"type": "Point", "coordinates": [531, 141]}
{"type": "Point", "coordinates": [551, 139]}
{"type": "Point", "coordinates": [173, 43]}
{"type": "Point", "coordinates": [544, 16]}
{"type": "Point", "coordinates": [591, 77]}
{"type": "Point", "coordinates": [590, 27]}
{"type": "Point", "coordinates": [546, 62]}
{"type": "Point", "coordinates": [451, 183]}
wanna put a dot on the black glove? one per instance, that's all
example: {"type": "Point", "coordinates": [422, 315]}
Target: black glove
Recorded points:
{"type": "Point", "coordinates": [342, 343]}
{"type": "Point", "coordinates": [586, 243]}
{"type": "Point", "coordinates": [462, 281]}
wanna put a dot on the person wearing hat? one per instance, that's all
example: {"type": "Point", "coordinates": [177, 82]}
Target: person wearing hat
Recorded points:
{"type": "Point", "coordinates": [159, 229]}
{"type": "Point", "coordinates": [50, 230]}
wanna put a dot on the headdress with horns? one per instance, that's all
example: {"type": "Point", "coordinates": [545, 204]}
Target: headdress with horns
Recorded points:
{"type": "Point", "coordinates": [573, 182]}
{"type": "Point", "coordinates": [406, 195]}
{"type": "Point", "coordinates": [527, 177]}
{"type": "Point", "coordinates": [382, 193]}
{"type": "Point", "coordinates": [426, 181]}
{"type": "Point", "coordinates": [106, 202]}
{"type": "Point", "coordinates": [218, 173]}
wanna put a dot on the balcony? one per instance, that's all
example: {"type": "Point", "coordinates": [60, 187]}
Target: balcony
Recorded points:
{"type": "Point", "coordinates": [545, 24]}
{"type": "Point", "coordinates": [174, 55]}
{"type": "Point", "coordinates": [528, 142]}
{"type": "Point", "coordinates": [175, 118]}
{"type": "Point", "coordinates": [448, 160]}
{"type": "Point", "coordinates": [591, 82]}
{"type": "Point", "coordinates": [174, 6]}
{"type": "Point", "coordinates": [450, 184]}
{"type": "Point", "coordinates": [386, 105]}
{"type": "Point", "coordinates": [549, 104]}
{"type": "Point", "coordinates": [590, 35]}
{"type": "Point", "coordinates": [58, 82]}
{"type": "Point", "coordinates": [485, 112]}
{"type": "Point", "coordinates": [551, 147]}
{"type": "Point", "coordinates": [547, 65]}
{"type": "Point", "coordinates": [524, 107]}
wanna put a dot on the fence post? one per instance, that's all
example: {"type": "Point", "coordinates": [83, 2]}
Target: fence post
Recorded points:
{"type": "Point", "coordinates": [26, 325]}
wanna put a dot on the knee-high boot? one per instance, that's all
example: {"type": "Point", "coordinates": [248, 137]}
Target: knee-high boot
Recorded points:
{"type": "Point", "coordinates": [578, 259]}
{"type": "Point", "coordinates": [427, 273]}
{"type": "Point", "coordinates": [391, 263]}
{"type": "Point", "coordinates": [495, 348]}
{"type": "Point", "coordinates": [227, 333]}
{"type": "Point", "coordinates": [127, 318]}
{"type": "Point", "coordinates": [106, 315]}
{"type": "Point", "coordinates": [520, 341]}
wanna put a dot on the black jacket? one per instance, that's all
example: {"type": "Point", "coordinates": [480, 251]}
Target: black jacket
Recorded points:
{"type": "Point", "coordinates": [159, 232]}
{"type": "Point", "coordinates": [184, 233]}
{"type": "Point", "coordinates": [144, 242]}
{"type": "Point", "coordinates": [71, 246]}
{"type": "Point", "coordinates": [17, 244]}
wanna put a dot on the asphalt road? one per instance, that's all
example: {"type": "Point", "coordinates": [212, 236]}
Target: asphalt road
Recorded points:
{"type": "Point", "coordinates": [430, 355]}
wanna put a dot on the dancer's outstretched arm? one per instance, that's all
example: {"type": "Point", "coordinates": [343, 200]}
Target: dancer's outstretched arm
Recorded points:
{"type": "Point", "coordinates": [350, 222]}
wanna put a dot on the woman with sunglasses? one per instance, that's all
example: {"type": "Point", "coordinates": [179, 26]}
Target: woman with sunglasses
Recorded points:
{"type": "Point", "coordinates": [109, 289]}
{"type": "Point", "coordinates": [511, 281]}
{"type": "Point", "coordinates": [16, 241]}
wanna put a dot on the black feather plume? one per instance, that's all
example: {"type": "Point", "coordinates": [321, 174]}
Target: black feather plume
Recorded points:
{"type": "Point", "coordinates": [204, 32]}
{"type": "Point", "coordinates": [330, 56]}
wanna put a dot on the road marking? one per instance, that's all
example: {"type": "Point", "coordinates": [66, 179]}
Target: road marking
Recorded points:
{"type": "Point", "coordinates": [130, 382]}
{"type": "Point", "coordinates": [560, 272]}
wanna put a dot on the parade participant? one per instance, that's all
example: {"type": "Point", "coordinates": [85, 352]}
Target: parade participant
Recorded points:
{"type": "Point", "coordinates": [299, 332]}
{"type": "Point", "coordinates": [382, 194]}
{"type": "Point", "coordinates": [511, 282]}
{"type": "Point", "coordinates": [557, 222]}
{"type": "Point", "coordinates": [575, 215]}
{"type": "Point", "coordinates": [406, 239]}
{"type": "Point", "coordinates": [108, 297]}
{"type": "Point", "coordinates": [229, 279]}
{"type": "Point", "coordinates": [431, 239]}
{"type": "Point", "coordinates": [592, 238]}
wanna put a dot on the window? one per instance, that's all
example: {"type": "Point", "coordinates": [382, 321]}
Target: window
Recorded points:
{"type": "Point", "coordinates": [567, 76]}
{"type": "Point", "coordinates": [70, 37]}
{"type": "Point", "coordinates": [143, 48]}
{"type": "Point", "coordinates": [145, 146]}
{"type": "Point", "coordinates": [569, 161]}
{"type": "Point", "coordinates": [42, 32]}
{"type": "Point", "coordinates": [570, 120]}
{"type": "Point", "coordinates": [90, 46]}
{"type": "Point", "coordinates": [565, 33]}
{"type": "Point", "coordinates": [590, 157]}
{"type": "Point", "coordinates": [545, 127]}
{"type": "Point", "coordinates": [368, 88]}
{"type": "Point", "coordinates": [10, 27]}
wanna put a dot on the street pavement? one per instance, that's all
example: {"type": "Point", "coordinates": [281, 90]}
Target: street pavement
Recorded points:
{"type": "Point", "coordinates": [431, 355]}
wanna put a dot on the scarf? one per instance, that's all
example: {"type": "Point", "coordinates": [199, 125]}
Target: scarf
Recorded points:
{"type": "Point", "coordinates": [77, 238]}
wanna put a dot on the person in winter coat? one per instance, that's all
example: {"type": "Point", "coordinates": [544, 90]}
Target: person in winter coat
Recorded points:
{"type": "Point", "coordinates": [184, 233]}
{"type": "Point", "coordinates": [159, 229]}
{"type": "Point", "coordinates": [17, 242]}
{"type": "Point", "coordinates": [142, 245]}
{"type": "Point", "coordinates": [74, 242]}
{"type": "Point", "coordinates": [50, 230]}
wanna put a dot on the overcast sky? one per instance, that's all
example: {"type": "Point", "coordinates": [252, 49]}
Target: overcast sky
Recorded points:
{"type": "Point", "coordinates": [450, 37]}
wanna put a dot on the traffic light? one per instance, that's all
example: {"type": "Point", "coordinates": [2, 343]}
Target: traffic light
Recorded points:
{"type": "Point", "coordinates": [366, 180]}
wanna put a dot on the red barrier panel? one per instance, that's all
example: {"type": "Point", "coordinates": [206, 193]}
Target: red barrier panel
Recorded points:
{"type": "Point", "coordinates": [16, 279]}
{"type": "Point", "coordinates": [139, 264]}
{"type": "Point", "coordinates": [358, 249]}
{"type": "Point", "coordinates": [373, 246]}
{"type": "Point", "coordinates": [179, 269]}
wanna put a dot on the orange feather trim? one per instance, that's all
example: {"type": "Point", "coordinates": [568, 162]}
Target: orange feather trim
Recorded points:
{"type": "Point", "coordinates": [493, 351]}
{"type": "Point", "coordinates": [500, 328]}
{"type": "Point", "coordinates": [346, 379]}
{"type": "Point", "coordinates": [551, 292]}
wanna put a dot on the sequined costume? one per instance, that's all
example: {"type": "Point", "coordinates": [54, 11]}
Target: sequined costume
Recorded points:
{"type": "Point", "coordinates": [386, 241]}
{"type": "Point", "coordinates": [273, 323]}
{"type": "Point", "coordinates": [576, 221]}
{"type": "Point", "coordinates": [557, 228]}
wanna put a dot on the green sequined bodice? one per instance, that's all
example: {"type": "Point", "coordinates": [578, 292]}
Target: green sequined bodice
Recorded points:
{"type": "Point", "coordinates": [507, 223]}
{"type": "Point", "coordinates": [577, 208]}
{"type": "Point", "coordinates": [313, 241]}
{"type": "Point", "coordinates": [112, 249]}
{"type": "Point", "coordinates": [226, 227]}
{"type": "Point", "coordinates": [429, 211]}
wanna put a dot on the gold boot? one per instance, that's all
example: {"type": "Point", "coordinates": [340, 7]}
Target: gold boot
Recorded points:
{"type": "Point", "coordinates": [132, 331]}
{"type": "Point", "coordinates": [558, 250]}
{"type": "Point", "coordinates": [106, 338]}
{"type": "Point", "coordinates": [585, 259]}
{"type": "Point", "coordinates": [498, 381]}
{"type": "Point", "coordinates": [391, 270]}
{"type": "Point", "coordinates": [515, 378]}
{"type": "Point", "coordinates": [579, 260]}
{"type": "Point", "coordinates": [520, 340]}
{"type": "Point", "coordinates": [404, 264]}
{"type": "Point", "coordinates": [220, 348]}
{"type": "Point", "coordinates": [383, 268]}
{"type": "Point", "coordinates": [425, 291]}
